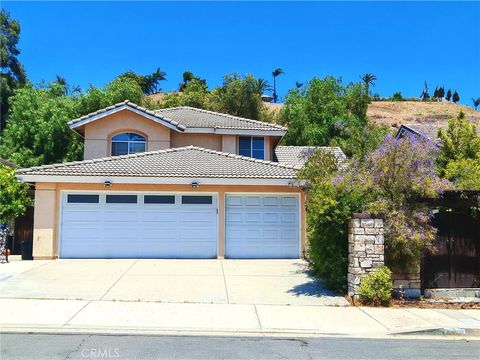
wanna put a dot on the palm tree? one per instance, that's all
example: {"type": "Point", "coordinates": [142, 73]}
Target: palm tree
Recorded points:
{"type": "Point", "coordinates": [368, 79]}
{"type": "Point", "coordinates": [262, 86]}
{"type": "Point", "coordinates": [476, 102]}
{"type": "Point", "coordinates": [154, 80]}
{"type": "Point", "coordinates": [298, 84]}
{"type": "Point", "coordinates": [275, 73]}
{"type": "Point", "coordinates": [62, 82]}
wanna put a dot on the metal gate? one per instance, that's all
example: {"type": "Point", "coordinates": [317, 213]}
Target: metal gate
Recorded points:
{"type": "Point", "coordinates": [456, 262]}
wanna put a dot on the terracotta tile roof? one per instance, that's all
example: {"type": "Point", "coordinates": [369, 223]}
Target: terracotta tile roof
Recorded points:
{"type": "Point", "coordinates": [197, 118]}
{"type": "Point", "coordinates": [298, 155]}
{"type": "Point", "coordinates": [124, 104]}
{"type": "Point", "coordinates": [190, 161]}
{"type": "Point", "coordinates": [185, 117]}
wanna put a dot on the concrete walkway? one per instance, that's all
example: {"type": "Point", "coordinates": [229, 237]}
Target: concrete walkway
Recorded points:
{"type": "Point", "coordinates": [150, 317]}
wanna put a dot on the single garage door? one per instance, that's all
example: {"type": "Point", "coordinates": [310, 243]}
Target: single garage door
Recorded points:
{"type": "Point", "coordinates": [262, 226]}
{"type": "Point", "coordinates": [133, 225]}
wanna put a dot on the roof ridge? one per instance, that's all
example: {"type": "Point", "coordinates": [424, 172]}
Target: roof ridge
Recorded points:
{"type": "Point", "coordinates": [224, 115]}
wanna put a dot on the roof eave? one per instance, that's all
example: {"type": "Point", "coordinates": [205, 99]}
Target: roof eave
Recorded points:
{"type": "Point", "coordinates": [76, 124]}
{"type": "Point", "coordinates": [156, 180]}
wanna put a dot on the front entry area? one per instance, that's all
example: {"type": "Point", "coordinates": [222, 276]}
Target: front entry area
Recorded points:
{"type": "Point", "coordinates": [138, 225]}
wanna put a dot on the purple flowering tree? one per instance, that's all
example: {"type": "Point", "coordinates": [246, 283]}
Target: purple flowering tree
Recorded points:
{"type": "Point", "coordinates": [400, 175]}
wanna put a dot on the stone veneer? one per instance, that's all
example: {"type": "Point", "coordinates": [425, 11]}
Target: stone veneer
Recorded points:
{"type": "Point", "coordinates": [407, 285]}
{"type": "Point", "coordinates": [365, 249]}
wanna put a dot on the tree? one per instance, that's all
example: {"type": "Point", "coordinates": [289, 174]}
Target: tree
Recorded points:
{"type": "Point", "coordinates": [121, 89]}
{"type": "Point", "coordinates": [397, 96]}
{"type": "Point", "coordinates": [263, 86]}
{"type": "Point", "coordinates": [153, 81]}
{"type": "Point", "coordinates": [425, 94]}
{"type": "Point", "coordinates": [476, 102]}
{"type": "Point", "coordinates": [456, 97]}
{"type": "Point", "coordinates": [441, 92]}
{"type": "Point", "coordinates": [37, 133]}
{"type": "Point", "coordinates": [195, 94]}
{"type": "Point", "coordinates": [238, 96]}
{"type": "Point", "coordinates": [148, 83]}
{"type": "Point", "coordinates": [325, 112]}
{"type": "Point", "coordinates": [459, 157]}
{"type": "Point", "coordinates": [12, 72]}
{"type": "Point", "coordinates": [435, 93]}
{"type": "Point", "coordinates": [276, 73]}
{"type": "Point", "coordinates": [387, 184]}
{"type": "Point", "coordinates": [14, 198]}
{"type": "Point", "coordinates": [368, 80]}
{"type": "Point", "coordinates": [188, 76]}
{"type": "Point", "coordinates": [298, 84]}
{"type": "Point", "coordinates": [449, 95]}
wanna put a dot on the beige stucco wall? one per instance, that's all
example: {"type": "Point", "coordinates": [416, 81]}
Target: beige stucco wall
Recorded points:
{"type": "Point", "coordinates": [208, 141]}
{"type": "Point", "coordinates": [47, 209]}
{"type": "Point", "coordinates": [229, 144]}
{"type": "Point", "coordinates": [45, 221]}
{"type": "Point", "coordinates": [98, 136]}
{"type": "Point", "coordinates": [98, 133]}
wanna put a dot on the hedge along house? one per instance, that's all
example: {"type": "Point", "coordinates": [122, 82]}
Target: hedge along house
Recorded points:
{"type": "Point", "coordinates": [182, 202]}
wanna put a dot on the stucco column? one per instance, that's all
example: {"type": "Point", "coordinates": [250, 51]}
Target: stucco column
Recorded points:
{"type": "Point", "coordinates": [44, 223]}
{"type": "Point", "coordinates": [221, 225]}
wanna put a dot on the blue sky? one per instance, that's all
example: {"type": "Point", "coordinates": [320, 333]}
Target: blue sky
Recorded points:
{"type": "Point", "coordinates": [403, 44]}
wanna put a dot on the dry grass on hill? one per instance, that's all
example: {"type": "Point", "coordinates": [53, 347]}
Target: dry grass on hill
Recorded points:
{"type": "Point", "coordinates": [396, 113]}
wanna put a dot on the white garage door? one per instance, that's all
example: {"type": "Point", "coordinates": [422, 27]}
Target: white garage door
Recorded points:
{"type": "Point", "coordinates": [121, 225]}
{"type": "Point", "coordinates": [262, 226]}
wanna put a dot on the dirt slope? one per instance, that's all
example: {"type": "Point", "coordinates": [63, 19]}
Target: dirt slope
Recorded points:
{"type": "Point", "coordinates": [396, 113]}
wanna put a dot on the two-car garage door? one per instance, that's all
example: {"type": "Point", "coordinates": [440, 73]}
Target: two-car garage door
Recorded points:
{"type": "Point", "coordinates": [100, 225]}
{"type": "Point", "coordinates": [185, 225]}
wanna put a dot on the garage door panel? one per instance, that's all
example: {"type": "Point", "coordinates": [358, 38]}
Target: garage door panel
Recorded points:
{"type": "Point", "coordinates": [262, 226]}
{"type": "Point", "coordinates": [159, 216]}
{"type": "Point", "coordinates": [116, 230]}
{"type": "Point", "coordinates": [270, 201]}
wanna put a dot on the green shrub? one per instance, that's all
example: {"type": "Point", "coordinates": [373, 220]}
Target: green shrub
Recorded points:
{"type": "Point", "coordinates": [397, 96]}
{"type": "Point", "coordinates": [376, 288]}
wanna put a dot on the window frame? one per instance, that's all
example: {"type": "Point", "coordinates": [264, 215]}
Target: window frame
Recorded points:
{"type": "Point", "coordinates": [128, 142]}
{"type": "Point", "coordinates": [190, 197]}
{"type": "Point", "coordinates": [251, 139]}
{"type": "Point", "coordinates": [77, 199]}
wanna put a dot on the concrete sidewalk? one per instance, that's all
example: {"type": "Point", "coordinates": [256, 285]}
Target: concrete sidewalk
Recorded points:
{"type": "Point", "coordinates": [153, 317]}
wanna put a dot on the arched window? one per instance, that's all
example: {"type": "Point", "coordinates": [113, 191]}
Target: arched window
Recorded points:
{"type": "Point", "coordinates": [128, 143]}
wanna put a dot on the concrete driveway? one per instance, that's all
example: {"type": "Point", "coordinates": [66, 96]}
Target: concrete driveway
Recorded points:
{"type": "Point", "coordinates": [262, 282]}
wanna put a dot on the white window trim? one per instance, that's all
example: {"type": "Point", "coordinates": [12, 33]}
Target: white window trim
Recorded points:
{"type": "Point", "coordinates": [128, 142]}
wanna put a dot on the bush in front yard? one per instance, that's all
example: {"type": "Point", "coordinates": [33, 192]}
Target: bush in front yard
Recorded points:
{"type": "Point", "coordinates": [376, 288]}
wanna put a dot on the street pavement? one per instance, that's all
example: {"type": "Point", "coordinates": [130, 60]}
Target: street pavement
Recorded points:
{"type": "Point", "coordinates": [53, 347]}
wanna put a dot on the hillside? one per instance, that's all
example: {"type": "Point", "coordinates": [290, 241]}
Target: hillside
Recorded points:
{"type": "Point", "coordinates": [396, 113]}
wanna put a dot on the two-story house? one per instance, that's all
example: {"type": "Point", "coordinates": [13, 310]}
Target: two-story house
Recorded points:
{"type": "Point", "coordinates": [172, 183]}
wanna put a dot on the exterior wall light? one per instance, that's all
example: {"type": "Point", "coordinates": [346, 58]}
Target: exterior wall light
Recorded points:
{"type": "Point", "coordinates": [195, 185]}
{"type": "Point", "coordinates": [107, 183]}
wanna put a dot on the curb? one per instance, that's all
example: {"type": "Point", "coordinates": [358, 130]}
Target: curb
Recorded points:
{"type": "Point", "coordinates": [443, 331]}
{"type": "Point", "coordinates": [433, 333]}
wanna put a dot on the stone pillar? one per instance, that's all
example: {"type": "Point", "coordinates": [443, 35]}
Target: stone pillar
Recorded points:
{"type": "Point", "coordinates": [365, 249]}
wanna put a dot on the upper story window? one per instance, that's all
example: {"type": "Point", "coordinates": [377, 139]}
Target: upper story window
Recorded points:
{"type": "Point", "coordinates": [128, 143]}
{"type": "Point", "coordinates": [252, 146]}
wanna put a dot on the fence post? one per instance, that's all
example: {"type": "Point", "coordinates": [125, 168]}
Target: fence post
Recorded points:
{"type": "Point", "coordinates": [365, 249]}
